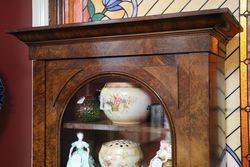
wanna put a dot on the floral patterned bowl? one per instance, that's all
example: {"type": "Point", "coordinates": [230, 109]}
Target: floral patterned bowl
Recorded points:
{"type": "Point", "coordinates": [124, 103]}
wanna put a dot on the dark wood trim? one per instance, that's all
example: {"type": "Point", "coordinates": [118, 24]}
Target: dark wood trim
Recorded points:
{"type": "Point", "coordinates": [53, 12]}
{"type": "Point", "coordinates": [221, 20]}
{"type": "Point", "coordinates": [60, 13]}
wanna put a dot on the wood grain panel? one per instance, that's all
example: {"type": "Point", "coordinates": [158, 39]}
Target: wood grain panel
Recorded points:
{"type": "Point", "coordinates": [123, 46]}
{"type": "Point", "coordinates": [39, 118]}
{"type": "Point", "coordinates": [199, 111]}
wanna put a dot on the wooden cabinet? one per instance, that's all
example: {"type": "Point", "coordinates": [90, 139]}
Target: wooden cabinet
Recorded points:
{"type": "Point", "coordinates": [177, 58]}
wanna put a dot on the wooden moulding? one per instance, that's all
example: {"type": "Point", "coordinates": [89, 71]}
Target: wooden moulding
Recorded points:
{"type": "Point", "coordinates": [127, 46]}
{"type": "Point", "coordinates": [220, 19]}
{"type": "Point", "coordinates": [92, 37]}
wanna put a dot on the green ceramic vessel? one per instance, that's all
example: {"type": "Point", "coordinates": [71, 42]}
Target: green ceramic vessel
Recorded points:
{"type": "Point", "coordinates": [88, 111]}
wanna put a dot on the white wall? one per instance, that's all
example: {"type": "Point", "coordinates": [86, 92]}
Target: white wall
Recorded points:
{"type": "Point", "coordinates": [40, 13]}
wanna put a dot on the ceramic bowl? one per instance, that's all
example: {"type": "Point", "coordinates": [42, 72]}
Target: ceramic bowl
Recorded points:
{"type": "Point", "coordinates": [124, 103]}
{"type": "Point", "coordinates": [120, 153]}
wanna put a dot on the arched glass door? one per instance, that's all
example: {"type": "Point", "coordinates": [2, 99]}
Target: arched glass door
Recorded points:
{"type": "Point", "coordinates": [114, 120]}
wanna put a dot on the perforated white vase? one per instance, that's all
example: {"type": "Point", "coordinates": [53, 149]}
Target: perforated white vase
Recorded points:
{"type": "Point", "coordinates": [120, 153]}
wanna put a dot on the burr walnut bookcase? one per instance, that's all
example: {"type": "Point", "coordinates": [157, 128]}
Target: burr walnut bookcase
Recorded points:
{"type": "Point", "coordinates": [178, 58]}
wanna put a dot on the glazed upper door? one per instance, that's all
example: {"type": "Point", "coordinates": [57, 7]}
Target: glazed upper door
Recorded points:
{"type": "Point", "coordinates": [82, 81]}
{"type": "Point", "coordinates": [123, 122]}
{"type": "Point", "coordinates": [167, 78]}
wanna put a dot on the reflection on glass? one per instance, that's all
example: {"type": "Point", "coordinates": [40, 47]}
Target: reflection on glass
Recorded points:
{"type": "Point", "coordinates": [118, 112]}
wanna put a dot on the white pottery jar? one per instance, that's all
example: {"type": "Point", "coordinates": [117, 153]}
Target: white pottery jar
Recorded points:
{"type": "Point", "coordinates": [124, 103]}
{"type": "Point", "coordinates": [120, 153]}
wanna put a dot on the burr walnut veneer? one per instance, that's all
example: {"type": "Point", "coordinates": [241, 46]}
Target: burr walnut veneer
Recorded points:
{"type": "Point", "coordinates": [180, 57]}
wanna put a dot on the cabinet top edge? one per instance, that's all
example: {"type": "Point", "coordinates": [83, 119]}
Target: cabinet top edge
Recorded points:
{"type": "Point", "coordinates": [222, 20]}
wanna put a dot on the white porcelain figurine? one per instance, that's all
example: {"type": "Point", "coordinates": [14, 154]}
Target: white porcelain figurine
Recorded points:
{"type": "Point", "coordinates": [163, 155]}
{"type": "Point", "coordinates": [80, 157]}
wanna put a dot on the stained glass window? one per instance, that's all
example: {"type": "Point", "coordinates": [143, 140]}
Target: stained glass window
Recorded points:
{"type": "Point", "coordinates": [97, 10]}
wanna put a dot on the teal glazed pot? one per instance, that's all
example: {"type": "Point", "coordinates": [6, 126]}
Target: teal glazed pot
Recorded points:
{"type": "Point", "coordinates": [88, 110]}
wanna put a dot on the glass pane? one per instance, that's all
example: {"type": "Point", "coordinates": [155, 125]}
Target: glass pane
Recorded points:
{"type": "Point", "coordinates": [76, 11]}
{"type": "Point", "coordinates": [247, 61]}
{"type": "Point", "coordinates": [122, 122]}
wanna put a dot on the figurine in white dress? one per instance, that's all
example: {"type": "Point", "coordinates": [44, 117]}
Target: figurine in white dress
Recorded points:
{"type": "Point", "coordinates": [162, 155]}
{"type": "Point", "coordinates": [81, 157]}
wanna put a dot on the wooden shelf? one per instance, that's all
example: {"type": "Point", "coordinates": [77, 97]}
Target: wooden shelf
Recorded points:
{"type": "Point", "coordinates": [145, 128]}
